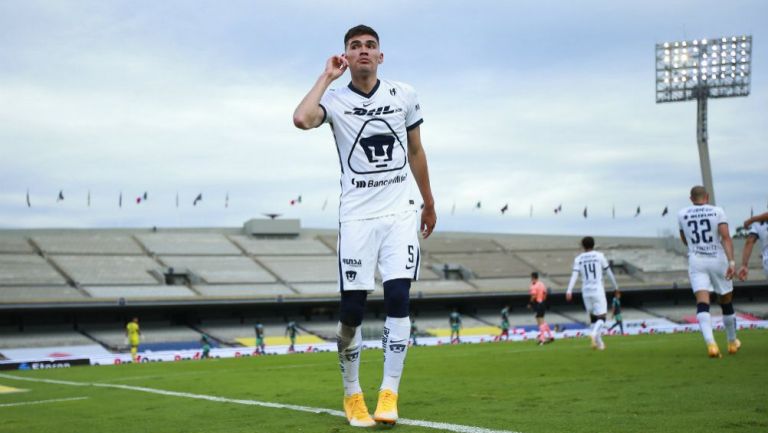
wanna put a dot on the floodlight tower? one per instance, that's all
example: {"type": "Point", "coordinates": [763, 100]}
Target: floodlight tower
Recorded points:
{"type": "Point", "coordinates": [702, 69]}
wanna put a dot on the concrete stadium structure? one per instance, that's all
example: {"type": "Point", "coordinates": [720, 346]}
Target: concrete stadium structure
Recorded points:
{"type": "Point", "coordinates": [72, 286]}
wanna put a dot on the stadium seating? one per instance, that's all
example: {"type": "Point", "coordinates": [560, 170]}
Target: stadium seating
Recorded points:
{"type": "Point", "coordinates": [243, 290]}
{"type": "Point", "coordinates": [27, 269]}
{"type": "Point", "coordinates": [139, 292]}
{"type": "Point", "coordinates": [41, 336]}
{"type": "Point", "coordinates": [220, 269]}
{"type": "Point", "coordinates": [88, 243]}
{"type": "Point", "coordinates": [188, 243]}
{"type": "Point", "coordinates": [31, 294]}
{"type": "Point", "coordinates": [48, 266]}
{"type": "Point", "coordinates": [452, 243]}
{"type": "Point", "coordinates": [488, 265]}
{"type": "Point", "coordinates": [108, 270]}
{"type": "Point", "coordinates": [15, 243]}
{"type": "Point", "coordinates": [271, 247]}
{"type": "Point", "coordinates": [303, 269]}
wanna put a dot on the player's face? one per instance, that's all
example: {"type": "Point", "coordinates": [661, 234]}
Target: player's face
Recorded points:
{"type": "Point", "coordinates": [363, 54]}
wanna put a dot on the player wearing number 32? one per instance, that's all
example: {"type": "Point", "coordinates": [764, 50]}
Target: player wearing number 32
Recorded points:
{"type": "Point", "coordinates": [591, 265]}
{"type": "Point", "coordinates": [704, 229]}
{"type": "Point", "coordinates": [376, 129]}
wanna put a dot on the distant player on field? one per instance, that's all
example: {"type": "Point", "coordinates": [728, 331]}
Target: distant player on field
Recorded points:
{"type": "Point", "coordinates": [258, 329]}
{"type": "Point", "coordinates": [291, 330]}
{"type": "Point", "coordinates": [616, 312]}
{"type": "Point", "coordinates": [133, 333]}
{"type": "Point", "coordinates": [591, 265]}
{"type": "Point", "coordinates": [206, 347]}
{"type": "Point", "coordinates": [376, 129]}
{"type": "Point", "coordinates": [758, 230]}
{"type": "Point", "coordinates": [414, 330]}
{"type": "Point", "coordinates": [711, 267]}
{"type": "Point", "coordinates": [538, 294]}
{"type": "Point", "coordinates": [504, 323]}
{"type": "Point", "coordinates": [454, 320]}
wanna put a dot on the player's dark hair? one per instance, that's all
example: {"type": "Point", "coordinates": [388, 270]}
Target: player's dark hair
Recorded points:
{"type": "Point", "coordinates": [535, 275]}
{"type": "Point", "coordinates": [358, 30]}
{"type": "Point", "coordinates": [698, 192]}
{"type": "Point", "coordinates": [588, 242]}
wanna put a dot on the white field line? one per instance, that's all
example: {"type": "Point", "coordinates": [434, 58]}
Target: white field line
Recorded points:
{"type": "Point", "coordinates": [25, 403]}
{"type": "Point", "coordinates": [203, 373]}
{"type": "Point", "coordinates": [458, 428]}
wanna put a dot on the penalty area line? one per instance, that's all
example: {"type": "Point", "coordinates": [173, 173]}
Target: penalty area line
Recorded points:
{"type": "Point", "coordinates": [457, 428]}
{"type": "Point", "coordinates": [26, 403]}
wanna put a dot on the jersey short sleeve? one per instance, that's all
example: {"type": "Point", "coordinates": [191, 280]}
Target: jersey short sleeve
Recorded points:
{"type": "Point", "coordinates": [721, 215]}
{"type": "Point", "coordinates": [604, 262]}
{"type": "Point", "coordinates": [413, 116]}
{"type": "Point", "coordinates": [326, 104]}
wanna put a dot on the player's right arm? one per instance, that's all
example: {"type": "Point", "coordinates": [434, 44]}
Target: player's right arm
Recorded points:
{"type": "Point", "coordinates": [572, 283]}
{"type": "Point", "coordinates": [744, 269]}
{"type": "Point", "coordinates": [309, 114]}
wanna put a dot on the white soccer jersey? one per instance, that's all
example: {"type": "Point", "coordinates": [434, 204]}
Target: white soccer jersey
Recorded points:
{"type": "Point", "coordinates": [761, 231]}
{"type": "Point", "coordinates": [371, 133]}
{"type": "Point", "coordinates": [590, 265]}
{"type": "Point", "coordinates": [699, 224]}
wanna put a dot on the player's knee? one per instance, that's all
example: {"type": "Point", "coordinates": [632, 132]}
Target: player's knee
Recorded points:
{"type": "Point", "coordinates": [727, 309]}
{"type": "Point", "coordinates": [396, 297]}
{"type": "Point", "coordinates": [592, 318]}
{"type": "Point", "coordinates": [352, 307]}
{"type": "Point", "coordinates": [702, 307]}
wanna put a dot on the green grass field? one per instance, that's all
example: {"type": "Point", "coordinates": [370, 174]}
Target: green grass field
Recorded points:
{"type": "Point", "coordinates": [658, 383]}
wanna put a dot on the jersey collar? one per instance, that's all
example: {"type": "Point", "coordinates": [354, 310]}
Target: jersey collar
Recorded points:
{"type": "Point", "coordinates": [360, 92]}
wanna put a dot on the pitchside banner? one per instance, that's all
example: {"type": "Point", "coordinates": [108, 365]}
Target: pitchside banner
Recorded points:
{"type": "Point", "coordinates": [633, 327]}
{"type": "Point", "coordinates": [44, 364]}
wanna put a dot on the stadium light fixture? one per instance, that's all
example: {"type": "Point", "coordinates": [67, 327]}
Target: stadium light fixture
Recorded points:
{"type": "Point", "coordinates": [701, 69]}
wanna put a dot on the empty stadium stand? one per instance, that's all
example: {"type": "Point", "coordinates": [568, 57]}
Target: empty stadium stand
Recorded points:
{"type": "Point", "coordinates": [50, 266]}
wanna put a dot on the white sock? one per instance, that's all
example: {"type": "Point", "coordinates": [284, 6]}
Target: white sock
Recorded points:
{"type": "Point", "coordinates": [730, 326]}
{"type": "Point", "coordinates": [350, 341]}
{"type": "Point", "coordinates": [705, 323]}
{"type": "Point", "coordinates": [597, 331]}
{"type": "Point", "coordinates": [397, 331]}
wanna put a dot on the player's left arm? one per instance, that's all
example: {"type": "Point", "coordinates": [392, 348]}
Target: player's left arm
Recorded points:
{"type": "Point", "coordinates": [417, 160]}
{"type": "Point", "coordinates": [609, 272]}
{"type": "Point", "coordinates": [755, 219]}
{"type": "Point", "coordinates": [725, 235]}
{"type": "Point", "coordinates": [682, 238]}
{"type": "Point", "coordinates": [748, 244]}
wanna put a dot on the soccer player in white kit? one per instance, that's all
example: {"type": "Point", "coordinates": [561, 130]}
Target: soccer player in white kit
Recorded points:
{"type": "Point", "coordinates": [376, 127]}
{"type": "Point", "coordinates": [758, 230]}
{"type": "Point", "coordinates": [591, 265]}
{"type": "Point", "coordinates": [711, 268]}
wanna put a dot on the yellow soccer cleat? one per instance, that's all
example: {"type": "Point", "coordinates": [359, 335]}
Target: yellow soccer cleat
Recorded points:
{"type": "Point", "coordinates": [713, 351]}
{"type": "Point", "coordinates": [386, 409]}
{"type": "Point", "coordinates": [357, 411]}
{"type": "Point", "coordinates": [733, 346]}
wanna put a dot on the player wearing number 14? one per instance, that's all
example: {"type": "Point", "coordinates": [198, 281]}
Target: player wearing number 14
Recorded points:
{"type": "Point", "coordinates": [711, 268]}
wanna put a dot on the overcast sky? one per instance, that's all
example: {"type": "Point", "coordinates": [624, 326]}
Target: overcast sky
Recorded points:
{"type": "Point", "coordinates": [533, 104]}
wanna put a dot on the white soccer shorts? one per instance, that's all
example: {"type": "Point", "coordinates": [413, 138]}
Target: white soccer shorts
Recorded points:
{"type": "Point", "coordinates": [595, 305]}
{"type": "Point", "coordinates": [390, 243]}
{"type": "Point", "coordinates": [765, 265]}
{"type": "Point", "coordinates": [709, 274]}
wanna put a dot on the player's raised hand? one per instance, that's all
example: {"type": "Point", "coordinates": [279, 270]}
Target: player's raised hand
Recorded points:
{"type": "Point", "coordinates": [335, 66]}
{"type": "Point", "coordinates": [428, 221]}
{"type": "Point", "coordinates": [743, 272]}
